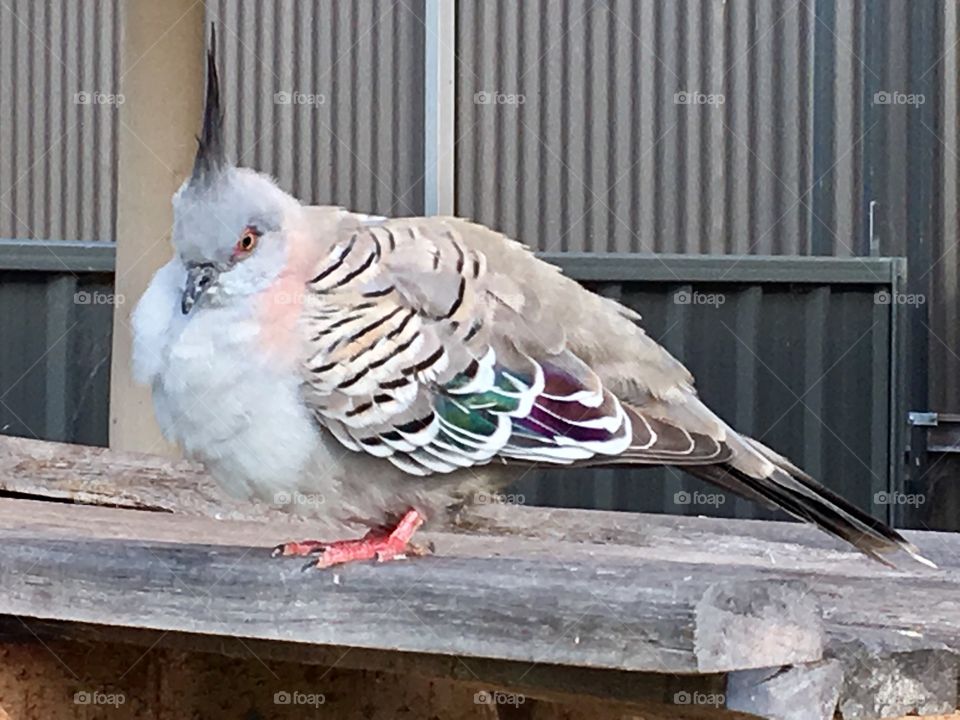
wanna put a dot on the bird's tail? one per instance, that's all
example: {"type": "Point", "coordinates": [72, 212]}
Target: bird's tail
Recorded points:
{"type": "Point", "coordinates": [758, 473]}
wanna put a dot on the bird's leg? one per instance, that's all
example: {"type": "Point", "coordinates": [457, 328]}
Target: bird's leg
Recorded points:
{"type": "Point", "coordinates": [381, 544]}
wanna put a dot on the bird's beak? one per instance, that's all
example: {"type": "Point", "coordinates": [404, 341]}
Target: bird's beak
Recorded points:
{"type": "Point", "coordinates": [199, 279]}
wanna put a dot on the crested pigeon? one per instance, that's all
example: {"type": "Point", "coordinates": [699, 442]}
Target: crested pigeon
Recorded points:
{"type": "Point", "coordinates": [396, 366]}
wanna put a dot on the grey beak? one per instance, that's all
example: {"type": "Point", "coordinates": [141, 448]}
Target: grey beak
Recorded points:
{"type": "Point", "coordinates": [199, 279]}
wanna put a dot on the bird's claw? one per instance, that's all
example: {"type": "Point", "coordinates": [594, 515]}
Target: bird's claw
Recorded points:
{"type": "Point", "coordinates": [379, 545]}
{"type": "Point", "coordinates": [298, 549]}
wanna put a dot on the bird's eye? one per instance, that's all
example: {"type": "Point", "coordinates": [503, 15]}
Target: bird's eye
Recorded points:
{"type": "Point", "coordinates": [248, 240]}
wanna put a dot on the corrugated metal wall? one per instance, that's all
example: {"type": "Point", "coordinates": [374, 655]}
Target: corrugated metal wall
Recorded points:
{"type": "Point", "coordinates": [945, 279]}
{"type": "Point", "coordinates": [328, 97]}
{"type": "Point", "coordinates": [644, 126]}
{"type": "Point", "coordinates": [55, 355]}
{"type": "Point", "coordinates": [59, 77]}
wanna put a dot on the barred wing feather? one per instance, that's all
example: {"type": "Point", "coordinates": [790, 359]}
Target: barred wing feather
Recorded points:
{"type": "Point", "coordinates": [421, 354]}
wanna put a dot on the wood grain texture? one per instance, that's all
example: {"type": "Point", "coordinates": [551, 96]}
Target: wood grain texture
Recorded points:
{"type": "Point", "coordinates": [659, 617]}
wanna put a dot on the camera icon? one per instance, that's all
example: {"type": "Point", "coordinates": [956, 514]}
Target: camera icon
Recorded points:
{"type": "Point", "coordinates": [82, 697]}
{"type": "Point", "coordinates": [282, 697]}
{"type": "Point", "coordinates": [882, 97]}
{"type": "Point", "coordinates": [682, 297]}
{"type": "Point", "coordinates": [83, 98]}
{"type": "Point", "coordinates": [482, 698]}
{"type": "Point", "coordinates": [282, 498]}
{"type": "Point", "coordinates": [482, 98]}
{"type": "Point", "coordinates": [682, 698]}
{"type": "Point", "coordinates": [682, 497]}
{"type": "Point", "coordinates": [281, 98]}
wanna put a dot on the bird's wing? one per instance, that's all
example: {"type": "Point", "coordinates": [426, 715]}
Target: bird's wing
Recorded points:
{"type": "Point", "coordinates": [429, 347]}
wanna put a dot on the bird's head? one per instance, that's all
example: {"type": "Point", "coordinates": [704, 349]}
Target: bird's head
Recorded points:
{"type": "Point", "coordinates": [228, 222]}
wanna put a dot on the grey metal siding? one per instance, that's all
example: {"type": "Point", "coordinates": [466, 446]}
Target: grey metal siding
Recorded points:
{"type": "Point", "coordinates": [327, 96]}
{"type": "Point", "coordinates": [55, 354]}
{"type": "Point", "coordinates": [607, 152]}
{"type": "Point", "coordinates": [59, 67]}
{"type": "Point", "coordinates": [945, 276]}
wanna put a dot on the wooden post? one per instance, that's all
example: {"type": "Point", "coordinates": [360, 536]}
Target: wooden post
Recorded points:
{"type": "Point", "coordinates": [162, 84]}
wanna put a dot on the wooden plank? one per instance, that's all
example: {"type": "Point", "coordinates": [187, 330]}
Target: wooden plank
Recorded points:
{"type": "Point", "coordinates": [803, 692]}
{"type": "Point", "coordinates": [658, 617]}
{"type": "Point", "coordinates": [162, 83]}
{"type": "Point", "coordinates": [60, 471]}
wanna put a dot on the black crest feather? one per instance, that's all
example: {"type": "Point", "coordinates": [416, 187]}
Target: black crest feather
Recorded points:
{"type": "Point", "coordinates": [211, 158]}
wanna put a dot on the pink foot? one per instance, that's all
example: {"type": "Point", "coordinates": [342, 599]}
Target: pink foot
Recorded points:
{"type": "Point", "coordinates": [379, 545]}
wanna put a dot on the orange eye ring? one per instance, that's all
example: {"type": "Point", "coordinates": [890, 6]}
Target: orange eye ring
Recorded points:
{"type": "Point", "coordinates": [248, 240]}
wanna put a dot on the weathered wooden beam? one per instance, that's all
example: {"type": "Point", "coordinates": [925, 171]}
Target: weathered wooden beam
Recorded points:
{"type": "Point", "coordinates": [803, 692]}
{"type": "Point", "coordinates": [888, 674]}
{"type": "Point", "coordinates": [658, 617]}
